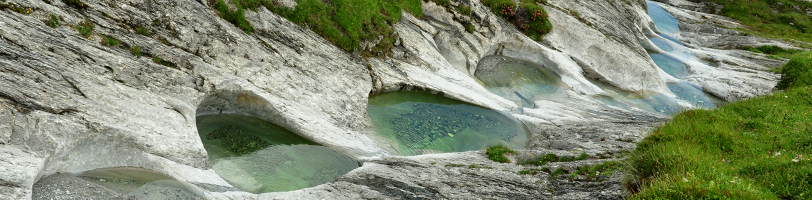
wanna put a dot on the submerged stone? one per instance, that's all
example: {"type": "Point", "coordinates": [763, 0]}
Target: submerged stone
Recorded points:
{"type": "Point", "coordinates": [258, 156]}
{"type": "Point", "coordinates": [421, 123]}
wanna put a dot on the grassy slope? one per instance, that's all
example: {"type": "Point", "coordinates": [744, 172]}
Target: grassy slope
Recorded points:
{"type": "Point", "coordinates": [771, 18]}
{"type": "Point", "coordinates": [346, 23]}
{"type": "Point", "coordinates": [759, 148]}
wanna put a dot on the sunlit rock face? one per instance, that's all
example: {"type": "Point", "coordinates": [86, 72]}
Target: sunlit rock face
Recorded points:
{"type": "Point", "coordinates": [419, 123]}
{"type": "Point", "coordinates": [257, 156]}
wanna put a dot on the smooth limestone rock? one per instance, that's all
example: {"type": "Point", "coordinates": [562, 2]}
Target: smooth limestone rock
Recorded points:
{"type": "Point", "coordinates": [70, 104]}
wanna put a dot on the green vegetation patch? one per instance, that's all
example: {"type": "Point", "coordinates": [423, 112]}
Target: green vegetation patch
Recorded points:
{"type": "Point", "coordinates": [345, 23]}
{"type": "Point", "coordinates": [236, 17]}
{"type": "Point", "coordinates": [110, 41]}
{"type": "Point", "coordinates": [136, 50]}
{"type": "Point", "coordinates": [759, 148]}
{"type": "Point", "coordinates": [497, 153]}
{"type": "Point", "coordinates": [774, 50]}
{"type": "Point", "coordinates": [85, 28]}
{"type": "Point", "coordinates": [772, 18]}
{"type": "Point", "coordinates": [464, 9]}
{"type": "Point", "coordinates": [236, 140]}
{"type": "Point", "coordinates": [163, 62]}
{"type": "Point", "coordinates": [542, 160]}
{"type": "Point", "coordinates": [53, 22]}
{"type": "Point", "coordinates": [142, 30]}
{"type": "Point", "coordinates": [528, 16]}
{"type": "Point", "coordinates": [797, 72]}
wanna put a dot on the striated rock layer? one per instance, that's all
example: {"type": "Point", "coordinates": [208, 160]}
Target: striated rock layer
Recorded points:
{"type": "Point", "coordinates": [69, 104]}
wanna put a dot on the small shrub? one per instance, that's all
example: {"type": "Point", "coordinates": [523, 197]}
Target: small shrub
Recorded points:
{"type": "Point", "coordinates": [110, 41]}
{"type": "Point", "coordinates": [797, 72]}
{"type": "Point", "coordinates": [470, 28]}
{"type": "Point", "coordinates": [537, 20]}
{"type": "Point", "coordinates": [136, 50]}
{"type": "Point", "coordinates": [78, 4]}
{"type": "Point", "coordinates": [497, 153]}
{"type": "Point", "coordinates": [85, 28]}
{"type": "Point", "coordinates": [142, 30]}
{"type": "Point", "coordinates": [54, 21]}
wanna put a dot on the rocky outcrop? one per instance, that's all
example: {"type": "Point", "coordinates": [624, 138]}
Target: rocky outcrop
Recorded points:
{"type": "Point", "coordinates": [69, 104]}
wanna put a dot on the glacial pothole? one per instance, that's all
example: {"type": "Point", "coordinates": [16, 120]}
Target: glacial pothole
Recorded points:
{"type": "Point", "coordinates": [421, 123]}
{"type": "Point", "coordinates": [258, 156]}
{"type": "Point", "coordinates": [519, 81]}
{"type": "Point", "coordinates": [112, 183]}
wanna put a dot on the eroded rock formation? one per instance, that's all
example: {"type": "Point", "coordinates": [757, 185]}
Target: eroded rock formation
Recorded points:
{"type": "Point", "coordinates": [70, 104]}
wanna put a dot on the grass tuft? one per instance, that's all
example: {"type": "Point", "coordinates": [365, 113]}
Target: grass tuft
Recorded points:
{"type": "Point", "coordinates": [497, 153]}
{"type": "Point", "coordinates": [463, 9]}
{"type": "Point", "coordinates": [236, 17]}
{"type": "Point", "coordinates": [163, 62]}
{"type": "Point", "coordinates": [110, 41]}
{"type": "Point", "coordinates": [136, 50]}
{"type": "Point", "coordinates": [53, 22]}
{"type": "Point", "coordinates": [142, 30]}
{"type": "Point", "coordinates": [85, 28]}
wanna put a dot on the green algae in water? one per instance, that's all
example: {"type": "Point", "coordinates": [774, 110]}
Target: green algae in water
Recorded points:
{"type": "Point", "coordinates": [288, 162]}
{"type": "Point", "coordinates": [422, 123]}
{"type": "Point", "coordinates": [235, 140]}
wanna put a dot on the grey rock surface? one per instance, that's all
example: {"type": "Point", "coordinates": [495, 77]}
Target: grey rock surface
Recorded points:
{"type": "Point", "coordinates": [69, 104]}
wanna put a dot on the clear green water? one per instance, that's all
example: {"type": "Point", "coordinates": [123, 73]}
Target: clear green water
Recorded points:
{"type": "Point", "coordinates": [421, 123]}
{"type": "Point", "coordinates": [139, 183]}
{"type": "Point", "coordinates": [289, 162]}
{"type": "Point", "coordinates": [519, 81]}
